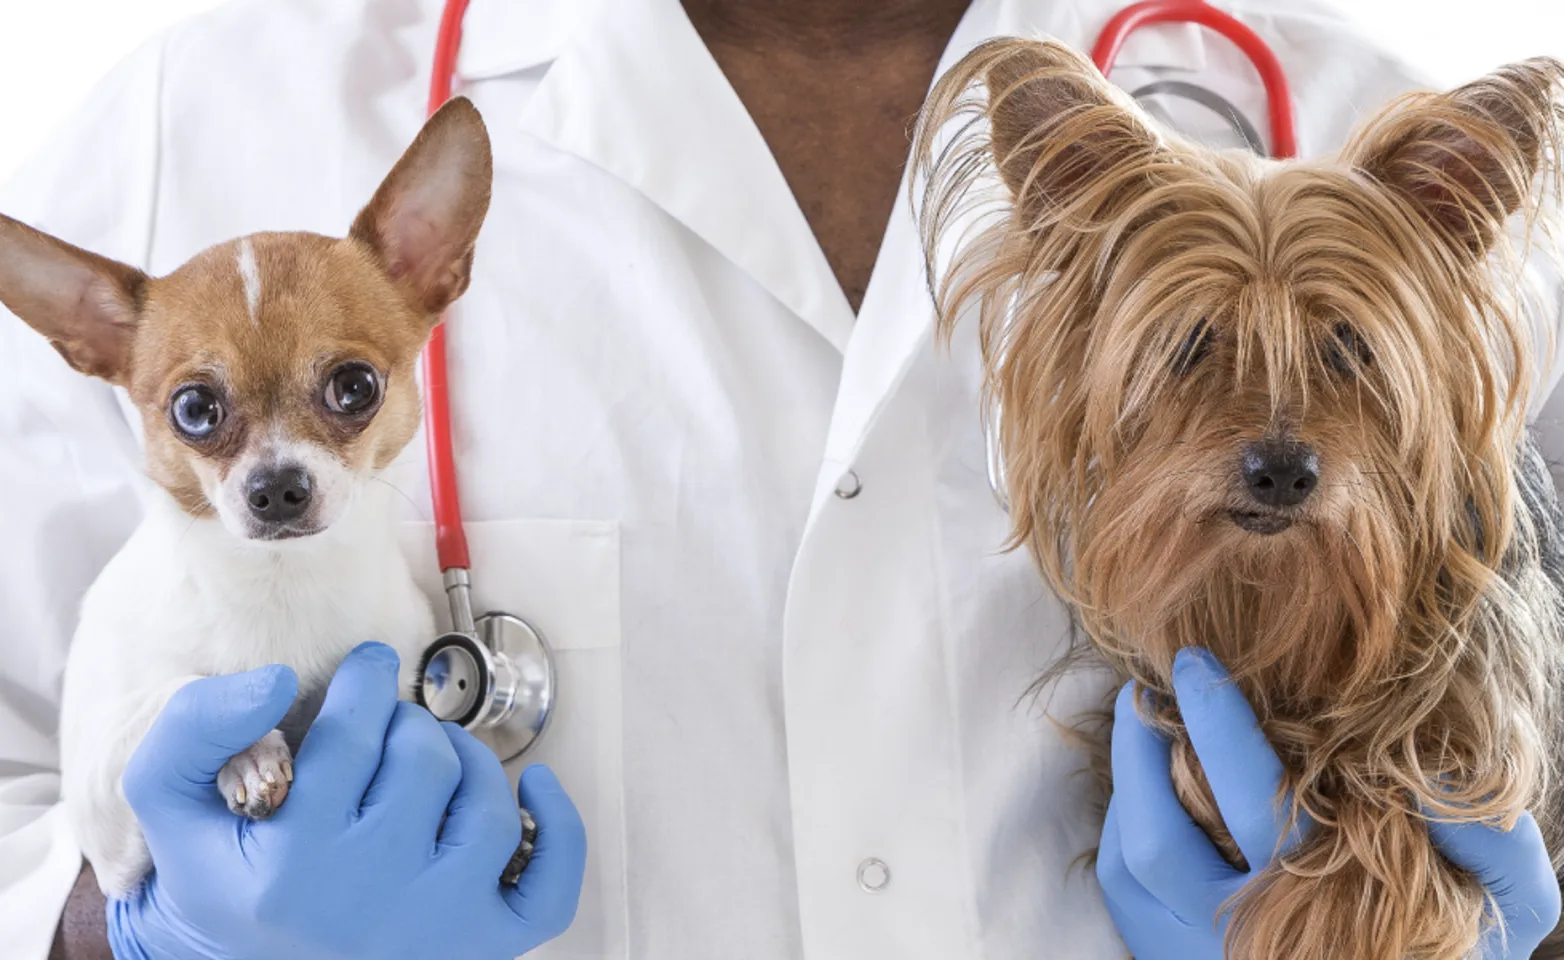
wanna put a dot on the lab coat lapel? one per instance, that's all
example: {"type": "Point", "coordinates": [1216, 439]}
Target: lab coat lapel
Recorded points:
{"type": "Point", "coordinates": [898, 312]}
{"type": "Point", "coordinates": [502, 36]}
{"type": "Point", "coordinates": [635, 92]}
{"type": "Point", "coordinates": [897, 316]}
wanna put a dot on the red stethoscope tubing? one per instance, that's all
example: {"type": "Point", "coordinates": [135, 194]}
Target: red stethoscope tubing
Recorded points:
{"type": "Point", "coordinates": [1284, 131]}
{"type": "Point", "coordinates": [449, 537]}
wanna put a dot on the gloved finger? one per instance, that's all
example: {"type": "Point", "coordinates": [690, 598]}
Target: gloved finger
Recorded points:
{"type": "Point", "coordinates": [1120, 890]}
{"type": "Point", "coordinates": [172, 774]}
{"type": "Point", "coordinates": [1513, 866]}
{"type": "Point", "coordinates": [419, 773]}
{"type": "Point", "coordinates": [1163, 847]}
{"type": "Point", "coordinates": [483, 820]}
{"type": "Point", "coordinates": [544, 900]}
{"type": "Point", "coordinates": [342, 750]}
{"type": "Point", "coordinates": [1243, 769]}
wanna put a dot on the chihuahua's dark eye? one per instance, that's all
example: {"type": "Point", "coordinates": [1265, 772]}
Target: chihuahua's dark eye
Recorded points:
{"type": "Point", "coordinates": [1345, 352]}
{"type": "Point", "coordinates": [1195, 348]}
{"type": "Point", "coordinates": [196, 411]}
{"type": "Point", "coordinates": [353, 389]}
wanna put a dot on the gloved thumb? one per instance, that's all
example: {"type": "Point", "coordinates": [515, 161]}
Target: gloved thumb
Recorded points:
{"type": "Point", "coordinates": [1513, 866]}
{"type": "Point", "coordinates": [544, 900]}
{"type": "Point", "coordinates": [172, 775]}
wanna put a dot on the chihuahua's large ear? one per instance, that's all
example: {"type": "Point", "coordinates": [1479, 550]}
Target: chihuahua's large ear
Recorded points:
{"type": "Point", "coordinates": [1059, 132]}
{"type": "Point", "coordinates": [1466, 160]}
{"type": "Point", "coordinates": [86, 305]}
{"type": "Point", "coordinates": [424, 220]}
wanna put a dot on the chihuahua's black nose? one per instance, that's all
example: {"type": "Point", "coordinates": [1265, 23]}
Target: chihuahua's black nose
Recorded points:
{"type": "Point", "coordinates": [279, 495]}
{"type": "Point", "coordinates": [1280, 473]}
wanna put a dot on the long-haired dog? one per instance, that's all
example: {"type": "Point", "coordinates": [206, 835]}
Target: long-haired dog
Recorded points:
{"type": "Point", "coordinates": [1278, 409]}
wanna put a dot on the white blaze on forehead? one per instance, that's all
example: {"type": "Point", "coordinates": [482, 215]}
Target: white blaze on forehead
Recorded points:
{"type": "Point", "coordinates": [250, 275]}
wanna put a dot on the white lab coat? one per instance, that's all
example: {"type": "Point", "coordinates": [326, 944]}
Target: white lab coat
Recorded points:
{"type": "Point", "coordinates": [661, 398]}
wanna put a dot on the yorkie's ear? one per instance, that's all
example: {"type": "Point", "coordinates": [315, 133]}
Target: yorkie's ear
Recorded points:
{"type": "Point", "coordinates": [1468, 159]}
{"type": "Point", "coordinates": [1060, 133]}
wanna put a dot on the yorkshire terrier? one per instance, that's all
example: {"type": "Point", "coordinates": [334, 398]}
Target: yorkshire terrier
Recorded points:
{"type": "Point", "coordinates": [1278, 410]}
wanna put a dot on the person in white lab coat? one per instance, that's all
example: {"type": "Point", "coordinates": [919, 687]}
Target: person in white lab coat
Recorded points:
{"type": "Point", "coordinates": [705, 442]}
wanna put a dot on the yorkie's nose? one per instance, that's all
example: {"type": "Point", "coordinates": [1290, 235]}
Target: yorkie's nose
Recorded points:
{"type": "Point", "coordinates": [1280, 473]}
{"type": "Point", "coordinates": [278, 495]}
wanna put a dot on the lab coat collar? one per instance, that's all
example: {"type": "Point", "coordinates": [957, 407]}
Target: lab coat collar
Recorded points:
{"type": "Point", "coordinates": [1168, 46]}
{"type": "Point", "coordinates": [504, 36]}
{"type": "Point", "coordinates": [635, 92]}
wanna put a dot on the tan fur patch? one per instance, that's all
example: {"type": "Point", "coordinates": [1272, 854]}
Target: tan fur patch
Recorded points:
{"type": "Point", "coordinates": [325, 303]}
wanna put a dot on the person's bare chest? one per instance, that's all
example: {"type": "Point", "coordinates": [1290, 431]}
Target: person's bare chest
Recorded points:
{"type": "Point", "coordinates": [837, 118]}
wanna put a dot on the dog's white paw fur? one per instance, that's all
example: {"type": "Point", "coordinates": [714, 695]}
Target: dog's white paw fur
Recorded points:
{"type": "Point", "coordinates": [255, 782]}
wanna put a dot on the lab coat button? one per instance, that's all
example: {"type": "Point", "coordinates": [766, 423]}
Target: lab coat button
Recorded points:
{"type": "Point", "coordinates": [873, 875]}
{"type": "Point", "coordinates": [849, 486]}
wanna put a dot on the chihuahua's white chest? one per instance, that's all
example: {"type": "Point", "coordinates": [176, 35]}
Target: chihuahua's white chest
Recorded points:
{"type": "Point", "coordinates": [186, 598]}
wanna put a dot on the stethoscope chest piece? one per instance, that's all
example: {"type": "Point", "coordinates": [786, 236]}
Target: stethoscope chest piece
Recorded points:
{"type": "Point", "coordinates": [496, 679]}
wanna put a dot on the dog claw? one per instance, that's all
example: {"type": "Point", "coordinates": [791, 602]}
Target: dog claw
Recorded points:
{"type": "Point", "coordinates": [255, 781]}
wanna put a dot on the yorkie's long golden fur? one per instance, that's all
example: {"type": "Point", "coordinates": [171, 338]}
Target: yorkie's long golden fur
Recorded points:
{"type": "Point", "coordinates": [1278, 409]}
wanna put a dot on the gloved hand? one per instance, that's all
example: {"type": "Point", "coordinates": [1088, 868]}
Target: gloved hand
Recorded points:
{"type": "Point", "coordinates": [357, 862]}
{"type": "Point", "coordinates": [1513, 865]}
{"type": "Point", "coordinates": [1164, 881]}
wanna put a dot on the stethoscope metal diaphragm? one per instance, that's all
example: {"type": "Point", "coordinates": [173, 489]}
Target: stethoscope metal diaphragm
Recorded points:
{"type": "Point", "coordinates": [494, 676]}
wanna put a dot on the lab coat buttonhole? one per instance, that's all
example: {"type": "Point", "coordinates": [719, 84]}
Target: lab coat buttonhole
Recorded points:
{"type": "Point", "coordinates": [873, 875]}
{"type": "Point", "coordinates": [849, 486]}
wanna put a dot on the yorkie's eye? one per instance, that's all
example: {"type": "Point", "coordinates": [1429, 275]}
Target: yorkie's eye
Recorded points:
{"type": "Point", "coordinates": [353, 389]}
{"type": "Point", "coordinates": [196, 411]}
{"type": "Point", "coordinates": [1346, 353]}
{"type": "Point", "coordinates": [1195, 348]}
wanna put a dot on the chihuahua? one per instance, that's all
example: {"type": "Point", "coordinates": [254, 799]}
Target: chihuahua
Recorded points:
{"type": "Point", "coordinates": [274, 375]}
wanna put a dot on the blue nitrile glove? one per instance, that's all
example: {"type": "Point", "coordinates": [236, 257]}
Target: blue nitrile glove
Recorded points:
{"type": "Point", "coordinates": [357, 862]}
{"type": "Point", "coordinates": [1165, 883]}
{"type": "Point", "coordinates": [1513, 865]}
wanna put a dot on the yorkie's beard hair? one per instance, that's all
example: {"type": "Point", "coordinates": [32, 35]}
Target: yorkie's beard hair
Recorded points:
{"type": "Point", "coordinates": [1279, 410]}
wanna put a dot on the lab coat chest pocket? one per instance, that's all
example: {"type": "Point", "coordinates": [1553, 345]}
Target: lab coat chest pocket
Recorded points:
{"type": "Point", "coordinates": [562, 576]}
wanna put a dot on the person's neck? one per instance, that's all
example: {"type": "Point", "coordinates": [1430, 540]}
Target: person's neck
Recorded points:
{"type": "Point", "coordinates": [830, 23]}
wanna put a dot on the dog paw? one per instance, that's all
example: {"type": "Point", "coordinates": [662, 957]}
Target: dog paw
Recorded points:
{"type": "Point", "coordinates": [255, 782]}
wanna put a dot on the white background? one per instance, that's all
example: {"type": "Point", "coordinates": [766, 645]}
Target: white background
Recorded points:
{"type": "Point", "coordinates": [51, 51]}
